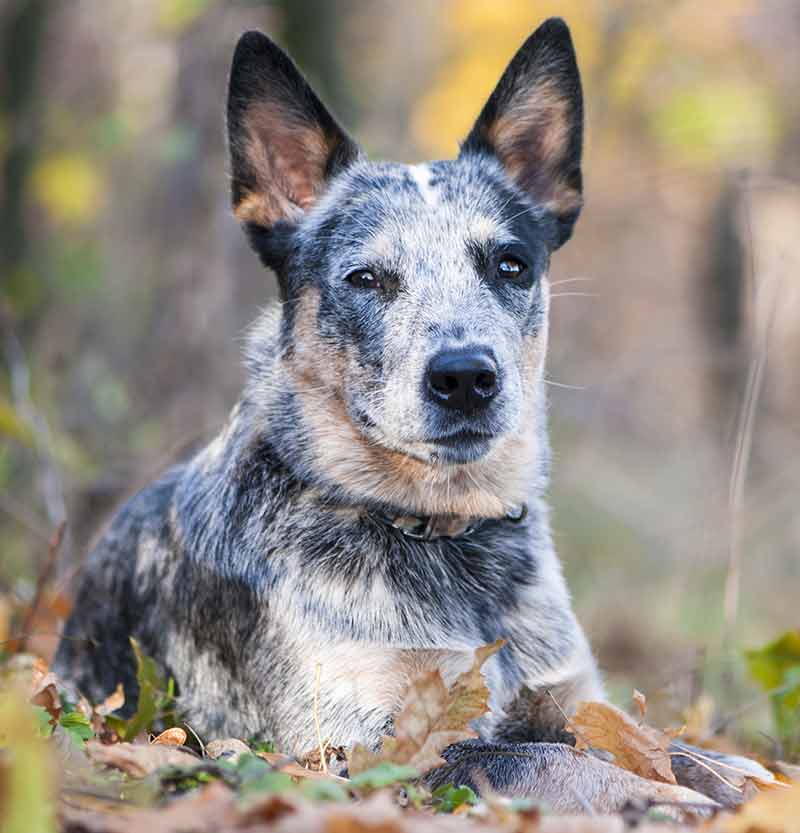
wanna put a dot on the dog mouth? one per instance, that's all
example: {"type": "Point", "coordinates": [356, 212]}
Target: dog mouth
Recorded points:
{"type": "Point", "coordinates": [461, 438]}
{"type": "Point", "coordinates": [460, 447]}
{"type": "Point", "coordinates": [465, 445]}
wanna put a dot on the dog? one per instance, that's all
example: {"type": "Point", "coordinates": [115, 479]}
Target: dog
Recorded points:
{"type": "Point", "coordinates": [374, 506]}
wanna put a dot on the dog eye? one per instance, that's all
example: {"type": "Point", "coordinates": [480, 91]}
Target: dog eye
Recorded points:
{"type": "Point", "coordinates": [364, 279]}
{"type": "Point", "coordinates": [510, 268]}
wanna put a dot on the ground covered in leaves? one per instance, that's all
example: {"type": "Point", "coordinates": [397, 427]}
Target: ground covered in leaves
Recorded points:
{"type": "Point", "coordinates": [80, 767]}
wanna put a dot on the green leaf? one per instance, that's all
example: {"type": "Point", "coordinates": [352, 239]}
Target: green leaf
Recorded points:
{"type": "Point", "coordinates": [154, 696]}
{"type": "Point", "coordinates": [13, 426]}
{"type": "Point", "coordinates": [449, 798]}
{"type": "Point", "coordinates": [776, 667]}
{"type": "Point", "coordinates": [27, 800]}
{"type": "Point", "coordinates": [322, 789]}
{"type": "Point", "coordinates": [77, 727]}
{"type": "Point", "coordinates": [271, 782]}
{"type": "Point", "coordinates": [263, 746]}
{"type": "Point", "coordinates": [383, 775]}
{"type": "Point", "coordinates": [768, 665]}
{"type": "Point", "coordinates": [44, 723]}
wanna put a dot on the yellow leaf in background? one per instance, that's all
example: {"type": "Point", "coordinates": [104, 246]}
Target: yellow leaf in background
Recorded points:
{"type": "Point", "coordinates": [722, 121]}
{"type": "Point", "coordinates": [13, 426]}
{"type": "Point", "coordinates": [27, 796]}
{"type": "Point", "coordinates": [483, 38]}
{"type": "Point", "coordinates": [176, 15]}
{"type": "Point", "coordinates": [69, 187]}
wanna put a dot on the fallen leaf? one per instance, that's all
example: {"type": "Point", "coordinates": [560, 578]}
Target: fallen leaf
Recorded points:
{"type": "Point", "coordinates": [637, 748]}
{"type": "Point", "coordinates": [432, 718]}
{"type": "Point", "coordinates": [776, 811]}
{"type": "Point", "coordinates": [171, 737]}
{"type": "Point", "coordinates": [138, 760]}
{"type": "Point", "coordinates": [287, 765]}
{"type": "Point", "coordinates": [229, 749]}
{"type": "Point", "coordinates": [641, 703]}
{"type": "Point", "coordinates": [790, 771]}
{"type": "Point", "coordinates": [47, 696]}
{"type": "Point", "coordinates": [112, 703]}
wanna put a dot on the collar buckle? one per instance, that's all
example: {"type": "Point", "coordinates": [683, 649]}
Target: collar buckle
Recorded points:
{"type": "Point", "coordinates": [431, 527]}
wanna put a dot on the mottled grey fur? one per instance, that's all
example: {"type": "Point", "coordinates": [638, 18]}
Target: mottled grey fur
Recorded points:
{"type": "Point", "coordinates": [268, 555]}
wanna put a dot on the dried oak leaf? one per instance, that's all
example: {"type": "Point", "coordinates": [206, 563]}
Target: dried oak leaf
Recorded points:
{"type": "Point", "coordinates": [776, 811]}
{"type": "Point", "coordinates": [637, 748]}
{"type": "Point", "coordinates": [171, 737]}
{"type": "Point", "coordinates": [287, 765]}
{"type": "Point", "coordinates": [138, 760]}
{"type": "Point", "coordinates": [431, 718]}
{"type": "Point", "coordinates": [114, 701]}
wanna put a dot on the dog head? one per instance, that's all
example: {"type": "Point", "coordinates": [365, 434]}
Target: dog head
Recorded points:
{"type": "Point", "coordinates": [415, 298]}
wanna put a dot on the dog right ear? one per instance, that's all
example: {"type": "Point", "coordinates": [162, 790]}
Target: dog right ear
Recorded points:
{"type": "Point", "coordinates": [284, 144]}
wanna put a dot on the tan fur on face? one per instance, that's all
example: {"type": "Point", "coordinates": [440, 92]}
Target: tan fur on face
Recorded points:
{"type": "Point", "coordinates": [486, 488]}
{"type": "Point", "coordinates": [289, 159]}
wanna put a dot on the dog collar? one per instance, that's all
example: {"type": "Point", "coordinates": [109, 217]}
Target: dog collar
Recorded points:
{"type": "Point", "coordinates": [431, 527]}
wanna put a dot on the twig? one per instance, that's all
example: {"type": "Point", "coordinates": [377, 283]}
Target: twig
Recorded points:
{"type": "Point", "coordinates": [322, 761]}
{"type": "Point", "coordinates": [696, 755]}
{"type": "Point", "coordinates": [197, 738]}
{"type": "Point", "coordinates": [702, 763]}
{"type": "Point", "coordinates": [45, 574]}
{"type": "Point", "coordinates": [744, 438]}
{"type": "Point", "coordinates": [571, 728]}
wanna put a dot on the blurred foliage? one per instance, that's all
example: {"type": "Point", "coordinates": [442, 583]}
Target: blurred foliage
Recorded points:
{"type": "Point", "coordinates": [776, 668]}
{"type": "Point", "coordinates": [27, 800]}
{"type": "Point", "coordinates": [69, 186]}
{"type": "Point", "coordinates": [684, 73]}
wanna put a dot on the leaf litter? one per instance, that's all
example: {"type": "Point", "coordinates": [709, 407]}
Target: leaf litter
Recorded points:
{"type": "Point", "coordinates": [81, 768]}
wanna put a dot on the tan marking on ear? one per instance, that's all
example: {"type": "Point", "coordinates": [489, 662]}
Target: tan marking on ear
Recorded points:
{"type": "Point", "coordinates": [289, 159]}
{"type": "Point", "coordinates": [531, 139]}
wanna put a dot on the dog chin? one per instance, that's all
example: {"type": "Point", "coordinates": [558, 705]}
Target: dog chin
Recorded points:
{"type": "Point", "coordinates": [460, 448]}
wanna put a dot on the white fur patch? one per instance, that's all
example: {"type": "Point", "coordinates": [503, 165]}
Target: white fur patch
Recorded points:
{"type": "Point", "coordinates": [421, 174]}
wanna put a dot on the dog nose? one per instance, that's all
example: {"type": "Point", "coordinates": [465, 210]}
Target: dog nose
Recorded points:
{"type": "Point", "coordinates": [462, 380]}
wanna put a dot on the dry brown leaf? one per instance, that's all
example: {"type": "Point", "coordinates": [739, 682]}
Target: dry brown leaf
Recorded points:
{"type": "Point", "coordinates": [641, 703]}
{"type": "Point", "coordinates": [171, 737]}
{"type": "Point", "coordinates": [638, 748]}
{"type": "Point", "coordinates": [790, 771]}
{"type": "Point", "coordinates": [432, 718]}
{"type": "Point", "coordinates": [776, 811]}
{"type": "Point", "coordinates": [114, 701]}
{"type": "Point", "coordinates": [283, 763]}
{"type": "Point", "coordinates": [229, 749]}
{"type": "Point", "coordinates": [138, 760]}
{"type": "Point", "coordinates": [212, 809]}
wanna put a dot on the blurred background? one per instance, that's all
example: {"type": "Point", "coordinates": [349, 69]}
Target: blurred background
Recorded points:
{"type": "Point", "coordinates": [126, 286]}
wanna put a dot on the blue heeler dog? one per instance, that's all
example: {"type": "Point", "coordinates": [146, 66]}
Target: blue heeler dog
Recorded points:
{"type": "Point", "coordinates": [375, 503]}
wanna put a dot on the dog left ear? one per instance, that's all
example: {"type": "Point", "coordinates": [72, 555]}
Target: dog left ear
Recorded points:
{"type": "Point", "coordinates": [284, 144]}
{"type": "Point", "coordinates": [533, 123]}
